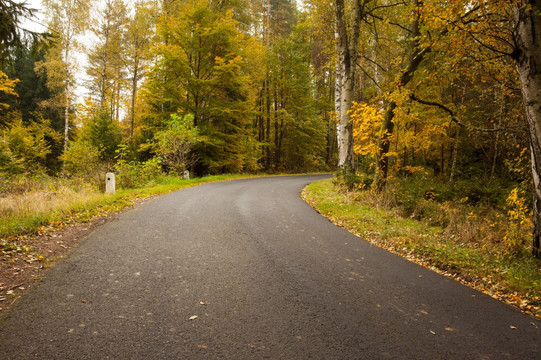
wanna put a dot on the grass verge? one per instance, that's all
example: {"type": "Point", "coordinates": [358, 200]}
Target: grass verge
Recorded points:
{"type": "Point", "coordinates": [515, 280]}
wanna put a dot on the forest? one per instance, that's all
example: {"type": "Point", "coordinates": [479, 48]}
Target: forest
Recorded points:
{"type": "Point", "coordinates": [433, 100]}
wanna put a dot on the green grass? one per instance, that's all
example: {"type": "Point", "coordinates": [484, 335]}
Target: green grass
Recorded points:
{"type": "Point", "coordinates": [516, 280]}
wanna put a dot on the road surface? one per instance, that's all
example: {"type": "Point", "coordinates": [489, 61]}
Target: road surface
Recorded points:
{"type": "Point", "coordinates": [246, 270]}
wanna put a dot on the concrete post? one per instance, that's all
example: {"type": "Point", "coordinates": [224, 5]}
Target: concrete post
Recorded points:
{"type": "Point", "coordinates": [110, 187]}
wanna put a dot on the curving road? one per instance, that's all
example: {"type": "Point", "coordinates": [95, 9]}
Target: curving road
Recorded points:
{"type": "Point", "coordinates": [266, 276]}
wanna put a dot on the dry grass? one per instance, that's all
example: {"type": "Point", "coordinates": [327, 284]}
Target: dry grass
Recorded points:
{"type": "Point", "coordinates": [40, 201]}
{"type": "Point", "coordinates": [30, 202]}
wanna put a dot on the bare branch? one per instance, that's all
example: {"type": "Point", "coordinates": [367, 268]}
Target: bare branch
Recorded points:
{"type": "Point", "coordinates": [453, 116]}
{"type": "Point", "coordinates": [373, 62]}
{"type": "Point", "coordinates": [369, 76]}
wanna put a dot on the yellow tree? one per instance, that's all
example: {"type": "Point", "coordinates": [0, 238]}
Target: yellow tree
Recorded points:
{"type": "Point", "coordinates": [106, 58]}
{"type": "Point", "coordinates": [68, 20]}
{"type": "Point", "coordinates": [140, 30]}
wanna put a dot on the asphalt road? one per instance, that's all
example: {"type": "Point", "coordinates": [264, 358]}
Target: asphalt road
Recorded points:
{"type": "Point", "coordinates": [266, 276]}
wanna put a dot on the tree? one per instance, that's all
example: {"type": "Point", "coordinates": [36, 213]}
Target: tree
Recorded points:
{"type": "Point", "coordinates": [176, 141]}
{"type": "Point", "coordinates": [69, 19]}
{"type": "Point", "coordinates": [7, 87]}
{"type": "Point", "coordinates": [106, 59]}
{"type": "Point", "coordinates": [299, 132]}
{"type": "Point", "coordinates": [347, 45]}
{"type": "Point", "coordinates": [23, 149]}
{"type": "Point", "coordinates": [415, 56]}
{"type": "Point", "coordinates": [138, 37]}
{"type": "Point", "coordinates": [205, 67]}
{"type": "Point", "coordinates": [35, 99]}
{"type": "Point", "coordinates": [11, 33]}
{"type": "Point", "coordinates": [528, 58]}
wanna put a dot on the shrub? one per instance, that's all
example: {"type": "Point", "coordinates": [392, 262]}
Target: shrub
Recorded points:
{"type": "Point", "coordinates": [350, 179]}
{"type": "Point", "coordinates": [176, 142]}
{"type": "Point", "coordinates": [135, 174]}
{"type": "Point", "coordinates": [520, 224]}
{"type": "Point", "coordinates": [82, 160]}
{"type": "Point", "coordinates": [23, 149]}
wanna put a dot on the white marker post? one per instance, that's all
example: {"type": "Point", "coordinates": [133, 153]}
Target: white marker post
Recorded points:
{"type": "Point", "coordinates": [110, 183]}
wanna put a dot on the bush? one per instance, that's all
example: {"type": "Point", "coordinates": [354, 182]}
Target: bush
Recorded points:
{"type": "Point", "coordinates": [175, 143]}
{"type": "Point", "coordinates": [82, 160]}
{"type": "Point", "coordinates": [519, 229]}
{"type": "Point", "coordinates": [135, 174]}
{"type": "Point", "coordinates": [23, 149]}
{"type": "Point", "coordinates": [350, 179]}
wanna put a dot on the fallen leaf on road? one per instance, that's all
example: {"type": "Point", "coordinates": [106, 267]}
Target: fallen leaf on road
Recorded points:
{"type": "Point", "coordinates": [193, 317]}
{"type": "Point", "coordinates": [203, 303]}
{"type": "Point", "coordinates": [512, 327]}
{"type": "Point", "coordinates": [432, 332]}
{"type": "Point", "coordinates": [202, 346]}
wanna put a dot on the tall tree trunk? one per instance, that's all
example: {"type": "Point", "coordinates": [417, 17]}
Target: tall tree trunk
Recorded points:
{"type": "Point", "coordinates": [66, 115]}
{"type": "Point", "coordinates": [416, 58]}
{"type": "Point", "coordinates": [347, 44]}
{"type": "Point", "coordinates": [496, 147]}
{"type": "Point", "coordinates": [133, 96]}
{"type": "Point", "coordinates": [276, 116]}
{"type": "Point", "coordinates": [442, 159]}
{"type": "Point", "coordinates": [455, 156]}
{"type": "Point", "coordinates": [528, 58]}
{"type": "Point", "coordinates": [267, 133]}
{"type": "Point", "coordinates": [384, 146]}
{"type": "Point", "coordinates": [66, 110]}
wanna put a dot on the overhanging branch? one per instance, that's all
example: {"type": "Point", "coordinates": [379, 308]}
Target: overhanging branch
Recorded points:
{"type": "Point", "coordinates": [453, 116]}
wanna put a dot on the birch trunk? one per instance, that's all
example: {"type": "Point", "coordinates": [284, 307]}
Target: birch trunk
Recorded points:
{"type": "Point", "coordinates": [528, 59]}
{"type": "Point", "coordinates": [66, 115]}
{"type": "Point", "coordinates": [347, 43]}
{"type": "Point", "coordinates": [67, 104]}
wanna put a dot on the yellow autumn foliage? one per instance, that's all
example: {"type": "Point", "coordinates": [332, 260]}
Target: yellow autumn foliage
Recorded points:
{"type": "Point", "coordinates": [7, 86]}
{"type": "Point", "coordinates": [367, 120]}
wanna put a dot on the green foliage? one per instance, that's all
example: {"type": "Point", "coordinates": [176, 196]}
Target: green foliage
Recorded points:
{"type": "Point", "coordinates": [82, 159]}
{"type": "Point", "coordinates": [176, 141]}
{"type": "Point", "coordinates": [11, 33]}
{"type": "Point", "coordinates": [23, 149]}
{"type": "Point", "coordinates": [206, 68]}
{"type": "Point", "coordinates": [300, 139]}
{"type": "Point", "coordinates": [352, 180]}
{"type": "Point", "coordinates": [133, 174]}
{"type": "Point", "coordinates": [103, 133]}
